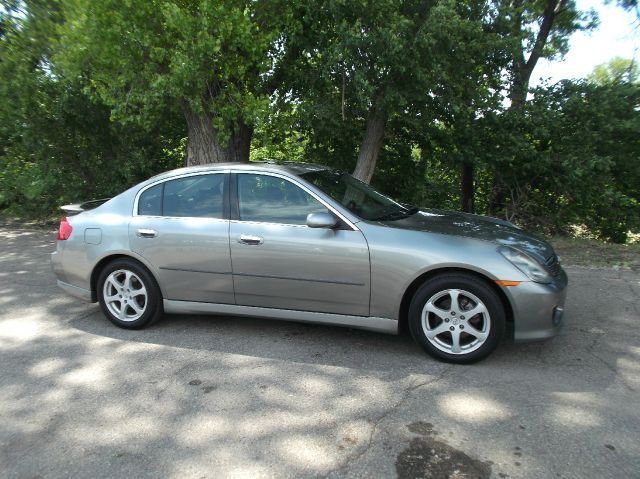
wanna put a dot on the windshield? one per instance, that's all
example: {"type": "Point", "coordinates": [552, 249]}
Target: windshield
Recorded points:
{"type": "Point", "coordinates": [358, 197]}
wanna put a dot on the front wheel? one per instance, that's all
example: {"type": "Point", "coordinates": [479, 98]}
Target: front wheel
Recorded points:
{"type": "Point", "coordinates": [457, 318]}
{"type": "Point", "coordinates": [128, 294]}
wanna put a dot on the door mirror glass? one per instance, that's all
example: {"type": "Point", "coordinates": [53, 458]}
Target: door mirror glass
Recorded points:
{"type": "Point", "coordinates": [321, 220]}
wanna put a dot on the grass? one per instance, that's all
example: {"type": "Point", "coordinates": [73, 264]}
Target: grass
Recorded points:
{"type": "Point", "coordinates": [594, 253]}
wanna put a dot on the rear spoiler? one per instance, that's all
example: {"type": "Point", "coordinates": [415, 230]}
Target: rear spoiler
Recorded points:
{"type": "Point", "coordinates": [76, 208]}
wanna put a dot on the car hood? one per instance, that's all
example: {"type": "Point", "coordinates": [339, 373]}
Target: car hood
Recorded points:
{"type": "Point", "coordinates": [484, 228]}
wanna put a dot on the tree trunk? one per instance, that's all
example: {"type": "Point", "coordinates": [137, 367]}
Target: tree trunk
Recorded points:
{"type": "Point", "coordinates": [202, 144]}
{"type": "Point", "coordinates": [240, 143]}
{"type": "Point", "coordinates": [496, 198]}
{"type": "Point", "coordinates": [371, 145]}
{"type": "Point", "coordinates": [518, 90]}
{"type": "Point", "coordinates": [466, 183]}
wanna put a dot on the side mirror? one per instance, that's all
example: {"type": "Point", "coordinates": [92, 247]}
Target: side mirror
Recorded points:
{"type": "Point", "coordinates": [321, 220]}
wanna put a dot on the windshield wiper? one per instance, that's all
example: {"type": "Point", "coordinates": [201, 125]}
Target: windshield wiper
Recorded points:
{"type": "Point", "coordinates": [412, 209]}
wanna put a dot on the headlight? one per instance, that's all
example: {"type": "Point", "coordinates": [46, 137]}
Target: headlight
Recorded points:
{"type": "Point", "coordinates": [525, 263]}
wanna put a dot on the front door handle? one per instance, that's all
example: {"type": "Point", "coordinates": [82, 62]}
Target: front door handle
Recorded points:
{"type": "Point", "coordinates": [145, 233]}
{"type": "Point", "coordinates": [250, 239]}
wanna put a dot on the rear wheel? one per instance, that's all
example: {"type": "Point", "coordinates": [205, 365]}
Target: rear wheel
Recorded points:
{"type": "Point", "coordinates": [457, 318]}
{"type": "Point", "coordinates": [128, 294]}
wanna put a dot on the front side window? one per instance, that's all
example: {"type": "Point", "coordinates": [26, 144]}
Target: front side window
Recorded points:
{"type": "Point", "coordinates": [270, 199]}
{"type": "Point", "coordinates": [193, 196]}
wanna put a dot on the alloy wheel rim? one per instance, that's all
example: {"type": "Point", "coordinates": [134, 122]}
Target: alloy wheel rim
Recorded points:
{"type": "Point", "coordinates": [125, 295]}
{"type": "Point", "coordinates": [456, 321]}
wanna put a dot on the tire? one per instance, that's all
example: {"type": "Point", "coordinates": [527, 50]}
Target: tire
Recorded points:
{"type": "Point", "coordinates": [477, 322]}
{"type": "Point", "coordinates": [128, 294]}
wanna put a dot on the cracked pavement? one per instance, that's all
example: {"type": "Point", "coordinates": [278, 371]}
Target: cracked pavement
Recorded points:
{"type": "Point", "coordinates": [198, 396]}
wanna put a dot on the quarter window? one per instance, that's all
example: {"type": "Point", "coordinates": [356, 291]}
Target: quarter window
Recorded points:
{"type": "Point", "coordinates": [192, 196]}
{"type": "Point", "coordinates": [150, 201]}
{"type": "Point", "coordinates": [270, 199]}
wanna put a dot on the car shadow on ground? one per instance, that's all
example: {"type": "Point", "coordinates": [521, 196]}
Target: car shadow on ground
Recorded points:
{"type": "Point", "coordinates": [335, 346]}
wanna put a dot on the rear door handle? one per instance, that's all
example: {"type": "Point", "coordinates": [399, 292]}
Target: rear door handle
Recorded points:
{"type": "Point", "coordinates": [145, 233]}
{"type": "Point", "coordinates": [249, 239]}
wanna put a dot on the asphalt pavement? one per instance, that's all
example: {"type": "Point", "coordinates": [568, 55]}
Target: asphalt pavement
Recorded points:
{"type": "Point", "coordinates": [217, 397]}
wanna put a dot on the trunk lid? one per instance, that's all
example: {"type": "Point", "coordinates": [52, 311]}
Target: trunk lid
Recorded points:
{"type": "Point", "coordinates": [76, 208]}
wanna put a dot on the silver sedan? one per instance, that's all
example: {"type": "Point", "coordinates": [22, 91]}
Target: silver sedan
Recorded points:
{"type": "Point", "coordinates": [303, 242]}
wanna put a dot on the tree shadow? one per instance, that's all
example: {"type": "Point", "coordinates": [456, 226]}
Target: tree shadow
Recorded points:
{"type": "Point", "coordinates": [248, 396]}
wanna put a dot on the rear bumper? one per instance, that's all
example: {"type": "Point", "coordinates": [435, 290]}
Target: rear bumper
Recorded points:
{"type": "Point", "coordinates": [538, 308]}
{"type": "Point", "coordinates": [81, 293]}
{"type": "Point", "coordinates": [56, 265]}
{"type": "Point", "coordinates": [58, 270]}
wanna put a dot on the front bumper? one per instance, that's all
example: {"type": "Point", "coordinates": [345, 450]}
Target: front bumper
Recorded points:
{"type": "Point", "coordinates": [538, 309]}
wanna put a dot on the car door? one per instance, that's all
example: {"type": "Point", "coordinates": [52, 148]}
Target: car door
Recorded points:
{"type": "Point", "coordinates": [280, 262]}
{"type": "Point", "coordinates": [181, 226]}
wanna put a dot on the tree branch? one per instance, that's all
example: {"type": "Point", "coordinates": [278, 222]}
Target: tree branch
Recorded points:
{"type": "Point", "coordinates": [551, 10]}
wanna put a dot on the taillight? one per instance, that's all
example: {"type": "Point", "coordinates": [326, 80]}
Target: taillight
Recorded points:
{"type": "Point", "coordinates": [65, 229]}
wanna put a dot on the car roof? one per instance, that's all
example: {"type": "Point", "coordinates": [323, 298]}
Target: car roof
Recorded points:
{"type": "Point", "coordinates": [290, 167]}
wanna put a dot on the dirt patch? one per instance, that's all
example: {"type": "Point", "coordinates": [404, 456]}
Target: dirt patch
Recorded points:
{"type": "Point", "coordinates": [432, 459]}
{"type": "Point", "coordinates": [421, 427]}
{"type": "Point", "coordinates": [429, 458]}
{"type": "Point", "coordinates": [592, 253]}
{"type": "Point", "coordinates": [47, 224]}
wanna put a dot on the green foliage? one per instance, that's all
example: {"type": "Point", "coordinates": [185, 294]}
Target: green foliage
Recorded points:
{"type": "Point", "coordinates": [92, 97]}
{"type": "Point", "coordinates": [616, 70]}
{"type": "Point", "coordinates": [273, 140]}
{"type": "Point", "coordinates": [57, 145]}
{"type": "Point", "coordinates": [570, 157]}
{"type": "Point", "coordinates": [68, 150]}
{"type": "Point", "coordinates": [140, 56]}
{"type": "Point", "coordinates": [398, 56]}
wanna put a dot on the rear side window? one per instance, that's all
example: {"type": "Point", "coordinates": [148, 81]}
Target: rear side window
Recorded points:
{"type": "Point", "coordinates": [193, 196]}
